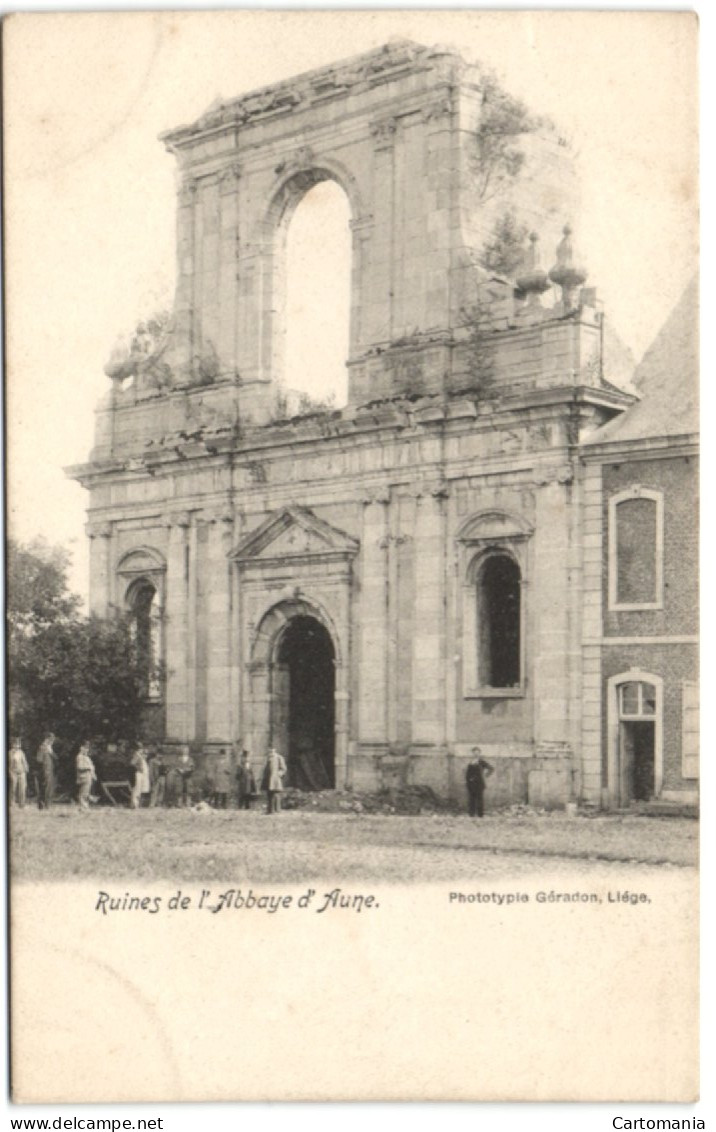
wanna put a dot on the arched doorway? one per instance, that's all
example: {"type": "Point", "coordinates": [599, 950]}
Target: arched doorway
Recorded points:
{"type": "Point", "coordinates": [303, 703]}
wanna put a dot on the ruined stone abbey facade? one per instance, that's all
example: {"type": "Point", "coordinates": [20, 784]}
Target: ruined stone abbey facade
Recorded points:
{"type": "Point", "coordinates": [375, 589]}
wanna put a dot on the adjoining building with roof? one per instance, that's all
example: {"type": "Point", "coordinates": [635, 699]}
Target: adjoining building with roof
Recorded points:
{"type": "Point", "coordinates": [378, 588]}
{"type": "Point", "coordinates": [640, 737]}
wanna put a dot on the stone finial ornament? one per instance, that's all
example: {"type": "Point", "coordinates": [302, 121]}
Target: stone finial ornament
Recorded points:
{"type": "Point", "coordinates": [567, 273]}
{"type": "Point", "coordinates": [533, 280]}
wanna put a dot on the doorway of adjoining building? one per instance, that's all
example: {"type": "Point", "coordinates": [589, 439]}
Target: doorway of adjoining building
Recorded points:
{"type": "Point", "coordinates": [637, 758]}
{"type": "Point", "coordinates": [304, 703]}
{"type": "Point", "coordinates": [637, 771]}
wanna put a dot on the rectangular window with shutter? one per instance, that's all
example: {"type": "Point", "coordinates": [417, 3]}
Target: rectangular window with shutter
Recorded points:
{"type": "Point", "coordinates": [690, 729]}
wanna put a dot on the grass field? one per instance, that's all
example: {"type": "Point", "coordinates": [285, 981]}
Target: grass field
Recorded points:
{"type": "Point", "coordinates": [166, 845]}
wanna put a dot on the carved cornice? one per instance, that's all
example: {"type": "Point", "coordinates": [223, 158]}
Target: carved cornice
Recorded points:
{"type": "Point", "coordinates": [392, 61]}
{"type": "Point", "coordinates": [178, 519]}
{"type": "Point", "coordinates": [98, 529]}
{"type": "Point", "coordinates": [376, 495]}
{"type": "Point", "coordinates": [187, 191]}
{"type": "Point", "coordinates": [553, 473]}
{"type": "Point", "coordinates": [437, 111]}
{"type": "Point", "coordinates": [439, 489]}
{"type": "Point", "coordinates": [383, 131]}
{"type": "Point", "coordinates": [222, 514]}
{"type": "Point", "coordinates": [394, 540]}
{"type": "Point", "coordinates": [301, 158]}
{"type": "Point", "coordinates": [229, 178]}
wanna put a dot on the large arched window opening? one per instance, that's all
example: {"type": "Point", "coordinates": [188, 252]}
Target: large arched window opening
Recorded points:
{"type": "Point", "coordinates": [499, 622]}
{"type": "Point", "coordinates": [145, 620]}
{"type": "Point", "coordinates": [318, 299]}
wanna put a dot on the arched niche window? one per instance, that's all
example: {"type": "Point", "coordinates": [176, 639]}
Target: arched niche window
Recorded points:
{"type": "Point", "coordinates": [636, 526]}
{"type": "Point", "coordinates": [498, 622]}
{"type": "Point", "coordinates": [494, 551]}
{"type": "Point", "coordinates": [141, 575]}
{"type": "Point", "coordinates": [143, 601]}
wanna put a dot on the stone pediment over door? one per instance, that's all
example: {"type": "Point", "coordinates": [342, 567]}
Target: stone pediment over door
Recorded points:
{"type": "Point", "coordinates": [294, 532]}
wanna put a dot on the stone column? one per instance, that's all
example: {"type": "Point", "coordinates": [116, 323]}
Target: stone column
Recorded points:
{"type": "Point", "coordinates": [221, 712]}
{"type": "Point", "coordinates": [184, 301]}
{"type": "Point", "coordinates": [592, 631]}
{"type": "Point", "coordinates": [100, 535]}
{"type": "Point", "coordinates": [442, 216]}
{"type": "Point", "coordinates": [192, 596]}
{"type": "Point", "coordinates": [377, 298]}
{"type": "Point", "coordinates": [176, 627]}
{"type": "Point", "coordinates": [207, 271]}
{"type": "Point", "coordinates": [228, 249]}
{"type": "Point", "coordinates": [373, 622]}
{"type": "Point", "coordinates": [361, 228]}
{"type": "Point", "coordinates": [401, 619]}
{"type": "Point", "coordinates": [429, 624]}
{"type": "Point", "coordinates": [550, 593]}
{"type": "Point", "coordinates": [343, 670]}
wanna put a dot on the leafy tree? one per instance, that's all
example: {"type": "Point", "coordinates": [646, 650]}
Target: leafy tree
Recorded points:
{"type": "Point", "coordinates": [37, 588]}
{"type": "Point", "coordinates": [504, 120]}
{"type": "Point", "coordinates": [504, 251]}
{"type": "Point", "coordinates": [77, 676]}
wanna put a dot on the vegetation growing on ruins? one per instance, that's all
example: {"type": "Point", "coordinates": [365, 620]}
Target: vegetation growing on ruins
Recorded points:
{"type": "Point", "coordinates": [498, 157]}
{"type": "Point", "coordinates": [305, 405]}
{"type": "Point", "coordinates": [504, 250]}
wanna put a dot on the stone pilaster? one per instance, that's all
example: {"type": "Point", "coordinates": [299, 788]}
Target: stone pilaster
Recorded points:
{"type": "Point", "coordinates": [221, 713]}
{"type": "Point", "coordinates": [378, 296]}
{"type": "Point", "coordinates": [100, 535]}
{"type": "Point", "coordinates": [209, 271]}
{"type": "Point", "coordinates": [429, 624]}
{"type": "Point", "coordinates": [401, 619]}
{"type": "Point", "coordinates": [549, 598]}
{"type": "Point", "coordinates": [185, 298]}
{"type": "Point", "coordinates": [178, 693]}
{"type": "Point", "coordinates": [228, 254]}
{"type": "Point", "coordinates": [373, 623]}
{"type": "Point", "coordinates": [592, 630]}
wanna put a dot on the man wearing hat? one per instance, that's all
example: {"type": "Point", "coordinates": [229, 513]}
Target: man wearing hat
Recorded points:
{"type": "Point", "coordinates": [272, 780]}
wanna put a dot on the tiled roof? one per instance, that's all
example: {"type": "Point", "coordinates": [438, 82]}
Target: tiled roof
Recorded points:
{"type": "Point", "coordinates": [667, 380]}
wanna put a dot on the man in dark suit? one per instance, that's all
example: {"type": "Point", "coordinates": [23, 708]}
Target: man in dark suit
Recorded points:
{"type": "Point", "coordinates": [478, 770]}
{"type": "Point", "coordinates": [245, 782]}
{"type": "Point", "coordinates": [46, 764]}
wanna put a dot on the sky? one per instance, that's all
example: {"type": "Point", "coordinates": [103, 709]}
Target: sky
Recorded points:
{"type": "Point", "coordinates": [90, 192]}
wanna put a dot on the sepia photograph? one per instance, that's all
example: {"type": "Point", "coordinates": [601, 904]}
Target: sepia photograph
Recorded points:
{"type": "Point", "coordinates": [352, 442]}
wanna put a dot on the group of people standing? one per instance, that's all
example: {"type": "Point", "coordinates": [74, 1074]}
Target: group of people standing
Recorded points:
{"type": "Point", "coordinates": [149, 774]}
{"type": "Point", "coordinates": [45, 771]}
{"type": "Point", "coordinates": [157, 781]}
{"type": "Point", "coordinates": [153, 779]}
